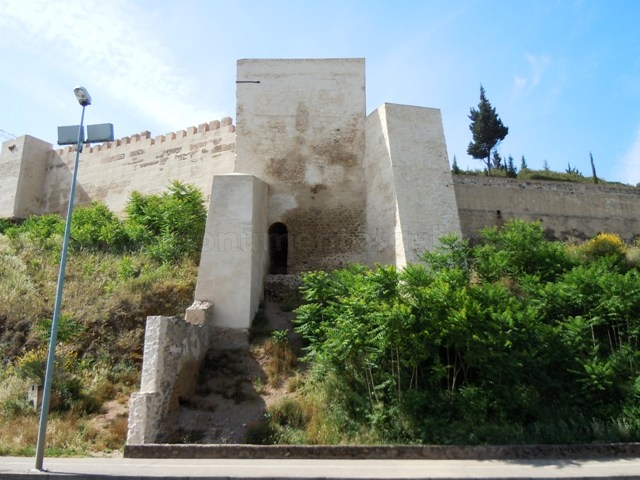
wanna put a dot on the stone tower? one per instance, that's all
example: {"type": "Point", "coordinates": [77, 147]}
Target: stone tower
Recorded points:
{"type": "Point", "coordinates": [318, 185]}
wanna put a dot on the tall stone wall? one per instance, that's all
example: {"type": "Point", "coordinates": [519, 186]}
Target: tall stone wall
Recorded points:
{"type": "Point", "coordinates": [22, 176]}
{"type": "Point", "coordinates": [234, 254]}
{"type": "Point", "coordinates": [111, 171]}
{"type": "Point", "coordinates": [301, 130]}
{"type": "Point", "coordinates": [410, 197]}
{"type": "Point", "coordinates": [568, 211]}
{"type": "Point", "coordinates": [382, 208]}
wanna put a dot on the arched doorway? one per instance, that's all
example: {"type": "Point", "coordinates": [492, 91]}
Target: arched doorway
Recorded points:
{"type": "Point", "coordinates": [278, 248]}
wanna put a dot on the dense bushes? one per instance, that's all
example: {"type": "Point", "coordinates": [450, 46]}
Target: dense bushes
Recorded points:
{"type": "Point", "coordinates": [167, 227]}
{"type": "Point", "coordinates": [516, 339]}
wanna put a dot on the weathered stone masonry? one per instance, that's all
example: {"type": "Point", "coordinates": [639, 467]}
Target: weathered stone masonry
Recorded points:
{"type": "Point", "coordinates": [567, 211]}
{"type": "Point", "coordinates": [35, 178]}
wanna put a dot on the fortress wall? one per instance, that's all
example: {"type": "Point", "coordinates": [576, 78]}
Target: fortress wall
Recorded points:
{"type": "Point", "coordinates": [234, 253]}
{"type": "Point", "coordinates": [301, 130]}
{"type": "Point", "coordinates": [381, 194]}
{"type": "Point", "coordinates": [410, 197]}
{"type": "Point", "coordinates": [111, 171]}
{"type": "Point", "coordinates": [259, 250]}
{"type": "Point", "coordinates": [22, 174]}
{"type": "Point", "coordinates": [9, 176]}
{"type": "Point", "coordinates": [426, 202]}
{"type": "Point", "coordinates": [568, 211]}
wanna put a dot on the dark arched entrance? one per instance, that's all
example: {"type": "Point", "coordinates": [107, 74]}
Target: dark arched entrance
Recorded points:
{"type": "Point", "coordinates": [278, 248]}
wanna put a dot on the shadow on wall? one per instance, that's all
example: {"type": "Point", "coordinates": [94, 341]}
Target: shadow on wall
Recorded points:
{"type": "Point", "coordinates": [56, 195]}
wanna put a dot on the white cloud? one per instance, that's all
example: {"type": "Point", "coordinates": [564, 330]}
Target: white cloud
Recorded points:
{"type": "Point", "coordinates": [519, 85]}
{"type": "Point", "coordinates": [109, 44]}
{"type": "Point", "coordinates": [537, 66]}
{"type": "Point", "coordinates": [629, 166]}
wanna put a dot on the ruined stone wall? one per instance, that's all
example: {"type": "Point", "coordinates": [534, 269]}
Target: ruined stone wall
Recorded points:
{"type": "Point", "coordinates": [301, 130]}
{"type": "Point", "coordinates": [173, 351]}
{"type": "Point", "coordinates": [568, 211]}
{"type": "Point", "coordinates": [111, 171]}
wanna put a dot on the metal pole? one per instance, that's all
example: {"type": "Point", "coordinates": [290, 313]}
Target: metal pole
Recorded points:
{"type": "Point", "coordinates": [48, 378]}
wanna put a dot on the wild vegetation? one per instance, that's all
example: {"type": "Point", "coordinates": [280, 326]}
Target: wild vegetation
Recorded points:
{"type": "Point", "coordinates": [119, 271]}
{"type": "Point", "coordinates": [513, 340]}
{"type": "Point", "coordinates": [508, 170]}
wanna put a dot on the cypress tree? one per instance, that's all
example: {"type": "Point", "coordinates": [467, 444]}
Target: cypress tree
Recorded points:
{"type": "Point", "coordinates": [487, 130]}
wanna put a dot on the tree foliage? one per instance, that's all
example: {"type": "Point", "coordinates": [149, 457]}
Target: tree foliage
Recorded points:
{"type": "Point", "coordinates": [512, 171]}
{"type": "Point", "coordinates": [593, 168]}
{"type": "Point", "coordinates": [454, 167]}
{"type": "Point", "coordinates": [516, 339]}
{"type": "Point", "coordinates": [487, 130]}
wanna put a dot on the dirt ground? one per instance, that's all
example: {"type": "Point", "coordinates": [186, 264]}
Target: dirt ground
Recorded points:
{"type": "Point", "coordinates": [232, 392]}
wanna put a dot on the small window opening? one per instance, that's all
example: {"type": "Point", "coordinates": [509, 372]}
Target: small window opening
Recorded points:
{"type": "Point", "coordinates": [278, 248]}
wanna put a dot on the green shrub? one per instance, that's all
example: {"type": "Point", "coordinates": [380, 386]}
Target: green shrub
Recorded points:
{"type": "Point", "coordinates": [13, 394]}
{"type": "Point", "coordinates": [96, 227]}
{"type": "Point", "coordinates": [44, 231]}
{"type": "Point", "coordinates": [261, 433]}
{"type": "Point", "coordinates": [280, 336]}
{"type": "Point", "coordinates": [39, 227]}
{"type": "Point", "coordinates": [604, 244]}
{"type": "Point", "coordinates": [5, 224]}
{"type": "Point", "coordinates": [512, 332]}
{"type": "Point", "coordinates": [633, 256]}
{"type": "Point", "coordinates": [170, 225]}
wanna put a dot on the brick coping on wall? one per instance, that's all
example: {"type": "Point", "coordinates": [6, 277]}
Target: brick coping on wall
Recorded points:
{"type": "Point", "coordinates": [369, 452]}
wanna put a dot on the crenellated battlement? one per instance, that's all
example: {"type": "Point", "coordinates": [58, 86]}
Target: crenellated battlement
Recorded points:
{"type": "Point", "coordinates": [213, 128]}
{"type": "Point", "coordinates": [109, 172]}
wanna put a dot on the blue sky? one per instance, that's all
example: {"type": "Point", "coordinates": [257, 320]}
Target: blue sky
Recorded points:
{"type": "Point", "coordinates": [564, 75]}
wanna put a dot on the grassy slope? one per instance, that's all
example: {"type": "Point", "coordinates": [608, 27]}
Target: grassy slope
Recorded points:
{"type": "Point", "coordinates": [100, 339]}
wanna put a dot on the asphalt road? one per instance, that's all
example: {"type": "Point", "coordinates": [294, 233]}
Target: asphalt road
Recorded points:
{"type": "Point", "coordinates": [22, 468]}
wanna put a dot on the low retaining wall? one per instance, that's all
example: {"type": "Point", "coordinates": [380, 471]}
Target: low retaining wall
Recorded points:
{"type": "Point", "coordinates": [283, 289]}
{"type": "Point", "coordinates": [568, 211]}
{"type": "Point", "coordinates": [384, 452]}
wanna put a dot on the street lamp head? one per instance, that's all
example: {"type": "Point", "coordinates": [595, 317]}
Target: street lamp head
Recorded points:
{"type": "Point", "coordinates": [83, 96]}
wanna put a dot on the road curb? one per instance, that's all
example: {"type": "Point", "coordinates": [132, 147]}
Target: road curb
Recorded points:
{"type": "Point", "coordinates": [386, 452]}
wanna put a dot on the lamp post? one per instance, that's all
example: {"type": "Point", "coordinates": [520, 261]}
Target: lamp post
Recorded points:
{"type": "Point", "coordinates": [84, 99]}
